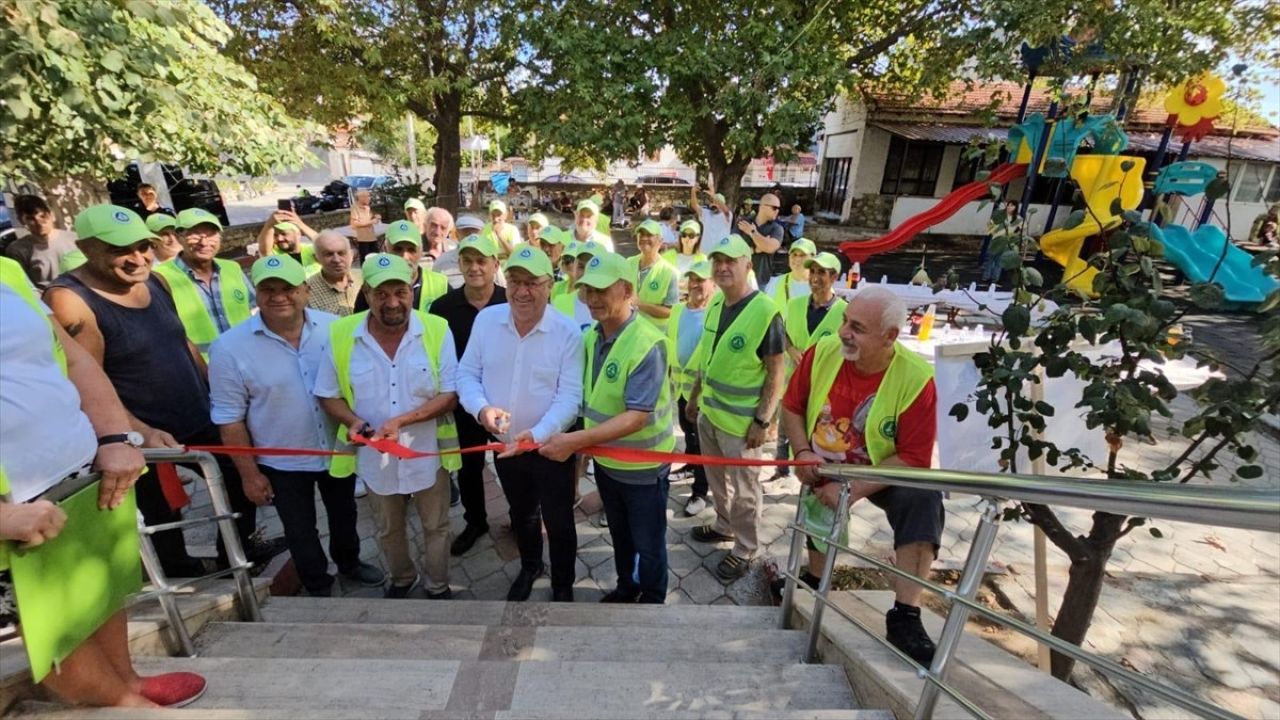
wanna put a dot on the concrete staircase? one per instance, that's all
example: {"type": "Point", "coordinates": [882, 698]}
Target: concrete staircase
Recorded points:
{"type": "Point", "coordinates": [319, 658]}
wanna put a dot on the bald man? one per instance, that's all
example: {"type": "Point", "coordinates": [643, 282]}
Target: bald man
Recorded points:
{"type": "Point", "coordinates": [765, 236]}
{"type": "Point", "coordinates": [333, 289]}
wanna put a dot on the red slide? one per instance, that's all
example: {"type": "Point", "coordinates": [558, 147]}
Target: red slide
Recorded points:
{"type": "Point", "coordinates": [859, 251]}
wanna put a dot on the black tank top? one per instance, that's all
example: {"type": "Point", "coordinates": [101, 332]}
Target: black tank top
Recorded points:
{"type": "Point", "coordinates": [145, 356]}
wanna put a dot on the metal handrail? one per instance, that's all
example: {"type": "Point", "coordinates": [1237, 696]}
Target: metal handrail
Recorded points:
{"type": "Point", "coordinates": [1246, 509]}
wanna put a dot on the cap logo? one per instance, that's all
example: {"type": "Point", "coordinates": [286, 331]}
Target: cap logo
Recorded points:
{"type": "Point", "coordinates": [121, 216]}
{"type": "Point", "coordinates": [384, 262]}
{"type": "Point", "coordinates": [273, 262]}
{"type": "Point", "coordinates": [526, 253]}
{"type": "Point", "coordinates": [724, 241]}
{"type": "Point", "coordinates": [595, 262]}
{"type": "Point", "coordinates": [403, 225]}
{"type": "Point", "coordinates": [653, 285]}
{"type": "Point", "coordinates": [611, 370]}
{"type": "Point", "coordinates": [889, 428]}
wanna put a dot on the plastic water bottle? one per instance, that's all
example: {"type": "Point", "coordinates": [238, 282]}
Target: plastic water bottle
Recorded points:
{"type": "Point", "coordinates": [926, 324]}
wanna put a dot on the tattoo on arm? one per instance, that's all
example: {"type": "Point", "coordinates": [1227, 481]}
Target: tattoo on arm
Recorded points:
{"type": "Point", "coordinates": [74, 328]}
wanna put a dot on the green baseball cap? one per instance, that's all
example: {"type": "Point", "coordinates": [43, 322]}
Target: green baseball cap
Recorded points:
{"type": "Point", "coordinates": [282, 267]}
{"type": "Point", "coordinates": [414, 204]}
{"type": "Point", "coordinates": [805, 246]}
{"type": "Point", "coordinates": [702, 269]}
{"type": "Point", "coordinates": [587, 204]}
{"type": "Point", "coordinates": [540, 220]}
{"type": "Point", "coordinates": [72, 260]}
{"type": "Point", "coordinates": [403, 231]}
{"type": "Point", "coordinates": [570, 250]}
{"type": "Point", "coordinates": [192, 217]}
{"type": "Point", "coordinates": [733, 246]}
{"type": "Point", "coordinates": [497, 206]}
{"type": "Point", "coordinates": [112, 224]}
{"type": "Point", "coordinates": [482, 243]}
{"type": "Point", "coordinates": [590, 247]}
{"type": "Point", "coordinates": [650, 226]}
{"type": "Point", "coordinates": [720, 198]}
{"type": "Point", "coordinates": [160, 221]}
{"type": "Point", "coordinates": [380, 268]}
{"type": "Point", "coordinates": [606, 269]}
{"type": "Point", "coordinates": [553, 235]}
{"type": "Point", "coordinates": [824, 260]}
{"type": "Point", "coordinates": [531, 259]}
{"type": "Point", "coordinates": [691, 226]}
{"type": "Point", "coordinates": [286, 227]}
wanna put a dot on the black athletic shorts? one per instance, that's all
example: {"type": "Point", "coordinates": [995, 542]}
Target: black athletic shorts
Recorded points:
{"type": "Point", "coordinates": [915, 515]}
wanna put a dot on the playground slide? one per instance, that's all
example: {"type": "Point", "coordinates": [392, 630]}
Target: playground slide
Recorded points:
{"type": "Point", "coordinates": [1102, 180]}
{"type": "Point", "coordinates": [859, 251]}
{"type": "Point", "coordinates": [1197, 253]}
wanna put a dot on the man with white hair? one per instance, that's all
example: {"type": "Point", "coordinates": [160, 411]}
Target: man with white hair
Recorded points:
{"type": "Point", "coordinates": [447, 262]}
{"type": "Point", "coordinates": [333, 289]}
{"type": "Point", "coordinates": [861, 398]}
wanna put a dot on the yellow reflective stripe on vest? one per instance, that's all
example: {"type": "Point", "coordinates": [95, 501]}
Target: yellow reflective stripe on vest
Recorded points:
{"type": "Point", "coordinates": [732, 373]}
{"type": "Point", "coordinates": [796, 321]}
{"type": "Point", "coordinates": [12, 275]}
{"type": "Point", "coordinates": [189, 300]}
{"type": "Point", "coordinates": [604, 397]}
{"type": "Point", "coordinates": [342, 342]}
{"type": "Point", "coordinates": [906, 376]}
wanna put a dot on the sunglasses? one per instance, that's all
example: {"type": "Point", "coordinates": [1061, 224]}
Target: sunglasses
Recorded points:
{"type": "Point", "coordinates": [688, 234]}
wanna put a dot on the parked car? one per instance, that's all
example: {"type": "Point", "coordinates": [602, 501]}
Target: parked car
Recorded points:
{"type": "Point", "coordinates": [663, 179]}
{"type": "Point", "coordinates": [184, 191]}
{"type": "Point", "coordinates": [333, 196]}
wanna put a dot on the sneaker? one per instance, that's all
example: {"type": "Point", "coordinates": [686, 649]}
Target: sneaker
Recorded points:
{"type": "Point", "coordinates": [708, 534]}
{"type": "Point", "coordinates": [696, 504]}
{"type": "Point", "coordinates": [361, 490]}
{"type": "Point", "coordinates": [732, 567]}
{"type": "Point", "coordinates": [399, 592]}
{"type": "Point", "coordinates": [445, 594]}
{"type": "Point", "coordinates": [468, 537]}
{"type": "Point", "coordinates": [365, 574]}
{"type": "Point", "coordinates": [455, 496]}
{"type": "Point", "coordinates": [905, 631]}
{"type": "Point", "coordinates": [173, 690]}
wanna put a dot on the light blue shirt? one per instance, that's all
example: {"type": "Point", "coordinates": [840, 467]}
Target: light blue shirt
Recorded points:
{"type": "Point", "coordinates": [257, 377]}
{"type": "Point", "coordinates": [689, 333]}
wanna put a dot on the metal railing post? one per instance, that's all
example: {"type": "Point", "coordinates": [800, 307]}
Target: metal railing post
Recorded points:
{"type": "Point", "coordinates": [793, 564]}
{"type": "Point", "coordinates": [975, 566]}
{"type": "Point", "coordinates": [249, 607]}
{"type": "Point", "coordinates": [168, 603]}
{"type": "Point", "coordinates": [824, 585]}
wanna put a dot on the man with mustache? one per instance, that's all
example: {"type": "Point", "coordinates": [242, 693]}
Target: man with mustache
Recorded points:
{"type": "Point", "coordinates": [389, 375]}
{"type": "Point", "coordinates": [861, 398]}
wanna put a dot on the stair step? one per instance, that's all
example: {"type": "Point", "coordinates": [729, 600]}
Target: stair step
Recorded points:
{"type": "Point", "coordinates": [320, 689]}
{"type": "Point", "coordinates": [489, 612]}
{"type": "Point", "coordinates": [477, 642]}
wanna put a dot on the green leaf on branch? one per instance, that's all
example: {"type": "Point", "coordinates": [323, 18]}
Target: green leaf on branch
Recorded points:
{"type": "Point", "coordinates": [959, 411]}
{"type": "Point", "coordinates": [1217, 189]}
{"type": "Point", "coordinates": [1016, 319]}
{"type": "Point", "coordinates": [1249, 472]}
{"type": "Point", "coordinates": [1155, 532]}
{"type": "Point", "coordinates": [1074, 219]}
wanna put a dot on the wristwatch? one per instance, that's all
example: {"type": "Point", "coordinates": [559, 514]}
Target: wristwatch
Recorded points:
{"type": "Point", "coordinates": [764, 424]}
{"type": "Point", "coordinates": [132, 439]}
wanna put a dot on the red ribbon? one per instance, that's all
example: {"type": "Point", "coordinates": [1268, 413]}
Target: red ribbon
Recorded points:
{"type": "Point", "coordinates": [391, 447]}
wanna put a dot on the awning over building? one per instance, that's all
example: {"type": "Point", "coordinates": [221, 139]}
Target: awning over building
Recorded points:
{"type": "Point", "coordinates": [948, 134]}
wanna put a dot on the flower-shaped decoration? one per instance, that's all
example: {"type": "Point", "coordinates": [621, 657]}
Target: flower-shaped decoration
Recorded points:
{"type": "Point", "coordinates": [1195, 104]}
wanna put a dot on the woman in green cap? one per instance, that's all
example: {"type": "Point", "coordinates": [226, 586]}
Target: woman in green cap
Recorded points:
{"type": "Point", "coordinates": [686, 253]}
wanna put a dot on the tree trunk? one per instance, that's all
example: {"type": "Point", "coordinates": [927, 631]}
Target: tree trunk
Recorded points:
{"type": "Point", "coordinates": [69, 194]}
{"type": "Point", "coordinates": [448, 152]}
{"type": "Point", "coordinates": [1084, 588]}
{"type": "Point", "coordinates": [728, 175]}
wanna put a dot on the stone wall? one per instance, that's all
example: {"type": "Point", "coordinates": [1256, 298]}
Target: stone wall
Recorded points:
{"type": "Point", "coordinates": [870, 211]}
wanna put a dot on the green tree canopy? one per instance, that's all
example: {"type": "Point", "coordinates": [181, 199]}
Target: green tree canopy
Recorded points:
{"type": "Point", "coordinates": [89, 87]}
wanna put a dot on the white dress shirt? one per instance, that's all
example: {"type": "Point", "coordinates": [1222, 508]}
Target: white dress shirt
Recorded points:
{"type": "Point", "coordinates": [386, 387]}
{"type": "Point", "coordinates": [537, 378]}
{"type": "Point", "coordinates": [257, 377]}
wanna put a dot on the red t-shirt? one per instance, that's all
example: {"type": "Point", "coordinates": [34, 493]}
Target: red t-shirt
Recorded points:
{"type": "Point", "coordinates": [838, 436]}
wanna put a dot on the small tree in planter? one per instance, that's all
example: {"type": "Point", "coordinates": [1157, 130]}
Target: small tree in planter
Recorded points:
{"type": "Point", "coordinates": [1120, 398]}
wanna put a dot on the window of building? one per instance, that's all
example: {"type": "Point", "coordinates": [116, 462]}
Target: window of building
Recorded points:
{"type": "Point", "coordinates": [911, 168]}
{"type": "Point", "coordinates": [1257, 183]}
{"type": "Point", "coordinates": [835, 185]}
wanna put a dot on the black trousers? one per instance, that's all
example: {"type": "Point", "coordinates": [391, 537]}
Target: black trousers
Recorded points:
{"type": "Point", "coordinates": [540, 492]}
{"type": "Point", "coordinates": [471, 476]}
{"type": "Point", "coordinates": [693, 447]}
{"type": "Point", "coordinates": [170, 545]}
{"type": "Point", "coordinates": [295, 502]}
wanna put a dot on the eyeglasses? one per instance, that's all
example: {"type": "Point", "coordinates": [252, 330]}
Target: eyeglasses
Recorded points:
{"type": "Point", "coordinates": [775, 207]}
{"type": "Point", "coordinates": [689, 234]}
{"type": "Point", "coordinates": [525, 284]}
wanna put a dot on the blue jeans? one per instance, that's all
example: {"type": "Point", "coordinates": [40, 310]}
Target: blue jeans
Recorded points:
{"type": "Point", "coordinates": [638, 526]}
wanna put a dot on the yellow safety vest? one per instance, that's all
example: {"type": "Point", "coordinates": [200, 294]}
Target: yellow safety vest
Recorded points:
{"type": "Point", "coordinates": [605, 396]}
{"type": "Point", "coordinates": [307, 253]}
{"type": "Point", "coordinates": [732, 373]}
{"type": "Point", "coordinates": [653, 289]}
{"type": "Point", "coordinates": [670, 255]}
{"type": "Point", "coordinates": [682, 376]}
{"type": "Point", "coordinates": [561, 287]}
{"type": "Point", "coordinates": [342, 342]}
{"type": "Point", "coordinates": [434, 285]}
{"type": "Point", "coordinates": [906, 376]}
{"type": "Point", "coordinates": [189, 300]}
{"type": "Point", "coordinates": [782, 294]}
{"type": "Point", "coordinates": [796, 320]}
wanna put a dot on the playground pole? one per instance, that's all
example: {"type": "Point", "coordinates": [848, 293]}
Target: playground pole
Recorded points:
{"type": "Point", "coordinates": [1004, 189]}
{"type": "Point", "coordinates": [1034, 171]}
